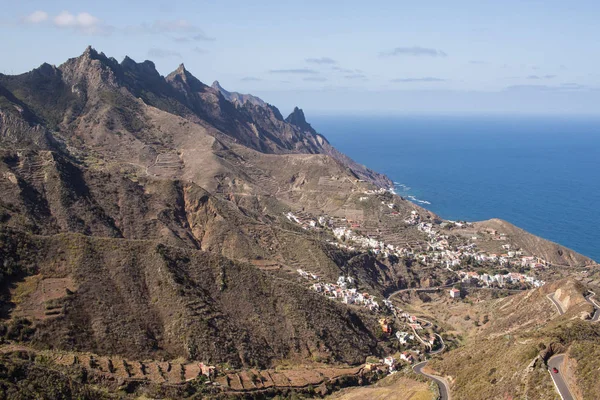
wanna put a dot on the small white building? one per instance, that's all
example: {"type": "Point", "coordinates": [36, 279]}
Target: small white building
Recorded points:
{"type": "Point", "coordinates": [403, 337]}
{"type": "Point", "coordinates": [406, 357]}
{"type": "Point", "coordinates": [454, 293]}
{"type": "Point", "coordinates": [391, 363]}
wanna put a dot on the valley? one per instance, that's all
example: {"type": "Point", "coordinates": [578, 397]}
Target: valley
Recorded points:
{"type": "Point", "coordinates": [164, 238]}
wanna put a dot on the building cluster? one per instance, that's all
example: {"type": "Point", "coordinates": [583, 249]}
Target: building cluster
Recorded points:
{"type": "Point", "coordinates": [500, 280]}
{"type": "Point", "coordinates": [388, 205]}
{"type": "Point", "coordinates": [377, 191]}
{"type": "Point", "coordinates": [365, 242]}
{"type": "Point", "coordinates": [439, 250]}
{"type": "Point", "coordinates": [442, 253]}
{"type": "Point", "coordinates": [342, 291]}
{"type": "Point", "coordinates": [392, 363]}
{"type": "Point", "coordinates": [404, 337]}
{"type": "Point", "coordinates": [341, 245]}
{"type": "Point", "coordinates": [414, 218]}
{"type": "Point", "coordinates": [304, 221]}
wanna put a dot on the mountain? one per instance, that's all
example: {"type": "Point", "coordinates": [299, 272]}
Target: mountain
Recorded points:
{"type": "Point", "coordinates": [114, 151]}
{"type": "Point", "coordinates": [153, 222]}
{"type": "Point", "coordinates": [298, 119]}
{"type": "Point", "coordinates": [238, 98]}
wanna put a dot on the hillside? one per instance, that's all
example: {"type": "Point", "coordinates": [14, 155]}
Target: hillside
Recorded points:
{"type": "Point", "coordinates": [170, 223]}
{"type": "Point", "coordinates": [552, 252]}
{"type": "Point", "coordinates": [506, 357]}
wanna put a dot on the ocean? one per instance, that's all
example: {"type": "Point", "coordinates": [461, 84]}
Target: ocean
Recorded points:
{"type": "Point", "coordinates": [539, 173]}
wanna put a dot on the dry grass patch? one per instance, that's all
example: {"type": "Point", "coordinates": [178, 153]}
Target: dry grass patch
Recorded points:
{"type": "Point", "coordinates": [395, 387]}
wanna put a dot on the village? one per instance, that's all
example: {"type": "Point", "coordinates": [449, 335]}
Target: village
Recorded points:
{"type": "Point", "coordinates": [439, 251]}
{"type": "Point", "coordinates": [342, 291]}
{"type": "Point", "coordinates": [416, 338]}
{"type": "Point", "coordinates": [414, 344]}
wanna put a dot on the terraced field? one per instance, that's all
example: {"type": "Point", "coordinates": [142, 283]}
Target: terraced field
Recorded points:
{"type": "Point", "coordinates": [293, 378]}
{"type": "Point", "coordinates": [179, 371]}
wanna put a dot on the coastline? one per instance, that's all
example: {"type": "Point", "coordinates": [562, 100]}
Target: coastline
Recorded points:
{"type": "Point", "coordinates": [478, 169]}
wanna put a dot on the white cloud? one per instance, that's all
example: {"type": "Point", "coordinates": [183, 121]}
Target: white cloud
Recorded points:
{"type": "Point", "coordinates": [82, 20]}
{"type": "Point", "coordinates": [36, 17]}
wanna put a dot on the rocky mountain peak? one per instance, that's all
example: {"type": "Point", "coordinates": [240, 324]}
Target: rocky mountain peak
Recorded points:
{"type": "Point", "coordinates": [90, 57]}
{"type": "Point", "coordinates": [217, 86]}
{"type": "Point", "coordinates": [181, 69]}
{"type": "Point", "coordinates": [147, 67]}
{"type": "Point", "coordinates": [298, 119]}
{"type": "Point", "coordinates": [183, 76]}
{"type": "Point", "coordinates": [92, 68]}
{"type": "Point", "coordinates": [46, 69]}
{"type": "Point", "coordinates": [183, 73]}
{"type": "Point", "coordinates": [128, 62]}
{"type": "Point", "coordinates": [238, 98]}
{"type": "Point", "coordinates": [90, 52]}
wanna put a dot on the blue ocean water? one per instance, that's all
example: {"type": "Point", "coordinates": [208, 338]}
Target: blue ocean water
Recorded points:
{"type": "Point", "coordinates": [539, 173]}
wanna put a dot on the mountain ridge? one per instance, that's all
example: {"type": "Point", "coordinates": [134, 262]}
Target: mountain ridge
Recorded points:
{"type": "Point", "coordinates": [163, 218]}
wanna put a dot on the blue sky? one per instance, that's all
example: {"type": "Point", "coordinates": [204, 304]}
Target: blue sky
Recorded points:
{"type": "Point", "coordinates": [350, 56]}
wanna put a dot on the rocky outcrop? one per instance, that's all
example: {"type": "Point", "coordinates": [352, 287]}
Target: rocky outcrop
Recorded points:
{"type": "Point", "coordinates": [238, 99]}
{"type": "Point", "coordinates": [298, 119]}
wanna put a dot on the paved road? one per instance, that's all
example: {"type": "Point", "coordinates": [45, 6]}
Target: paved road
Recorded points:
{"type": "Point", "coordinates": [441, 348]}
{"type": "Point", "coordinates": [424, 323]}
{"type": "Point", "coordinates": [560, 384]}
{"type": "Point", "coordinates": [557, 360]}
{"type": "Point", "coordinates": [437, 288]}
{"type": "Point", "coordinates": [590, 299]}
{"type": "Point", "coordinates": [429, 289]}
{"type": "Point", "coordinates": [441, 382]}
{"type": "Point", "coordinates": [556, 304]}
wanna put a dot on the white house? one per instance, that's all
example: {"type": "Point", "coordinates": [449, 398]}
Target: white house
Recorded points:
{"type": "Point", "coordinates": [406, 357]}
{"type": "Point", "coordinates": [402, 337]}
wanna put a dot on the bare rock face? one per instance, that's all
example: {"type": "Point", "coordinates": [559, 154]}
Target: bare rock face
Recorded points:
{"type": "Point", "coordinates": [298, 119]}
{"type": "Point", "coordinates": [237, 98]}
{"type": "Point", "coordinates": [585, 315]}
{"type": "Point", "coordinates": [16, 132]}
{"type": "Point", "coordinates": [533, 364]}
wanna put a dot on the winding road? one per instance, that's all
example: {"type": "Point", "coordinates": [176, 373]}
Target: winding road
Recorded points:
{"type": "Point", "coordinates": [557, 360]}
{"type": "Point", "coordinates": [441, 382]}
{"type": "Point", "coordinates": [441, 348]}
{"type": "Point", "coordinates": [590, 299]}
{"type": "Point", "coordinates": [427, 289]}
{"type": "Point", "coordinates": [561, 386]}
{"type": "Point", "coordinates": [418, 368]}
{"type": "Point", "coordinates": [556, 304]}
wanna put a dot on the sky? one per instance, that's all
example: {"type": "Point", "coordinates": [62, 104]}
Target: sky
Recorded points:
{"type": "Point", "coordinates": [335, 57]}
